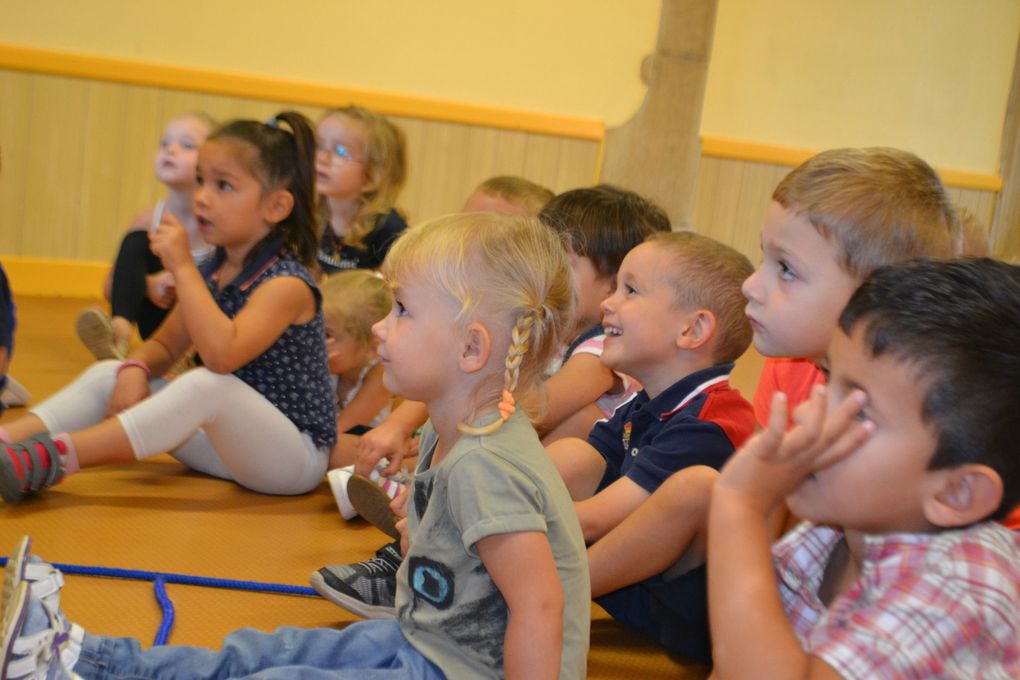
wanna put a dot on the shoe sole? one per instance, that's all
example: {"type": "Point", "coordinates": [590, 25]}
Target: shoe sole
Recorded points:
{"type": "Point", "coordinates": [96, 332]}
{"type": "Point", "coordinates": [353, 605]}
{"type": "Point", "coordinates": [373, 504]}
{"type": "Point", "coordinates": [14, 573]}
{"type": "Point", "coordinates": [14, 606]}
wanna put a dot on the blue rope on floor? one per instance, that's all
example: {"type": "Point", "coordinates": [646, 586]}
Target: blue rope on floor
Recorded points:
{"type": "Point", "coordinates": [160, 579]}
{"type": "Point", "coordinates": [167, 606]}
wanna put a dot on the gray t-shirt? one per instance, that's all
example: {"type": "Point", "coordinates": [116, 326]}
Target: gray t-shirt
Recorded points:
{"type": "Point", "coordinates": [447, 604]}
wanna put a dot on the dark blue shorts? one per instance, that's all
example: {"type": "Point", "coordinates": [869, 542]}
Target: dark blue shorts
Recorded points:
{"type": "Point", "coordinates": [674, 612]}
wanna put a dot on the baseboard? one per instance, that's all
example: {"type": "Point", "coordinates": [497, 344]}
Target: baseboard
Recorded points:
{"type": "Point", "coordinates": [55, 278]}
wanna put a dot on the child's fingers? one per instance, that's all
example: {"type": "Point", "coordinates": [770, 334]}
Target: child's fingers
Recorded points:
{"type": "Point", "coordinates": [849, 441]}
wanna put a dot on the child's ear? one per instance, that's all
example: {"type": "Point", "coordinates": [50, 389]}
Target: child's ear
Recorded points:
{"type": "Point", "coordinates": [964, 495]}
{"type": "Point", "coordinates": [277, 205]}
{"type": "Point", "coordinates": [477, 345]}
{"type": "Point", "coordinates": [696, 329]}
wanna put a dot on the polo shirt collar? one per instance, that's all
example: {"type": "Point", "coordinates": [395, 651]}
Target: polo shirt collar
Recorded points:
{"type": "Point", "coordinates": [682, 392]}
{"type": "Point", "coordinates": [265, 258]}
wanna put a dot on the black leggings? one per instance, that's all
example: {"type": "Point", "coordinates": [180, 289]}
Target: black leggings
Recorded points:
{"type": "Point", "coordinates": [128, 299]}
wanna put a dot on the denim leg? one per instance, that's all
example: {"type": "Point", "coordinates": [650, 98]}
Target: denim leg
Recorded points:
{"type": "Point", "coordinates": [366, 650]}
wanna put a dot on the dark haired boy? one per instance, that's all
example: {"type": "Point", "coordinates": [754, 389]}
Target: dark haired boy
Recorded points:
{"type": "Point", "coordinates": [900, 467]}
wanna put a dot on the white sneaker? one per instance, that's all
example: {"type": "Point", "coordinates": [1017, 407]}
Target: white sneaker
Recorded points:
{"type": "Point", "coordinates": [14, 394]}
{"type": "Point", "coordinates": [36, 639]}
{"type": "Point", "coordinates": [337, 479]}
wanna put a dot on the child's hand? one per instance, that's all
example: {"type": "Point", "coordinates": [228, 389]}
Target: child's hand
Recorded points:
{"type": "Point", "coordinates": [774, 463]}
{"type": "Point", "coordinates": [399, 504]}
{"type": "Point", "coordinates": [385, 441]}
{"type": "Point", "coordinates": [132, 386]}
{"type": "Point", "coordinates": [169, 242]}
{"type": "Point", "coordinates": [160, 289]}
{"type": "Point", "coordinates": [404, 540]}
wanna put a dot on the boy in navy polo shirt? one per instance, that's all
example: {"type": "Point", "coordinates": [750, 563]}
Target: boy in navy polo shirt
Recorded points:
{"type": "Point", "coordinates": [675, 323]}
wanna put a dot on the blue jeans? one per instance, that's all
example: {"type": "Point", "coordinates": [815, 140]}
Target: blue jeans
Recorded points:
{"type": "Point", "coordinates": [366, 650]}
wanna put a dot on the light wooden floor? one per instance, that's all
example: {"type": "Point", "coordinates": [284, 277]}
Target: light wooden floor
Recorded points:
{"type": "Point", "coordinates": [158, 516]}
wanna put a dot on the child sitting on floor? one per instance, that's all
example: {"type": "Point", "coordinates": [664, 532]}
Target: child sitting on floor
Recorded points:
{"type": "Point", "coordinates": [140, 289]}
{"type": "Point", "coordinates": [898, 465]}
{"type": "Point", "coordinates": [495, 582]}
{"type": "Point", "coordinates": [352, 302]}
{"type": "Point", "coordinates": [260, 410]}
{"type": "Point", "coordinates": [833, 220]}
{"type": "Point", "coordinates": [360, 168]}
{"type": "Point", "coordinates": [599, 225]}
{"type": "Point", "coordinates": [675, 323]}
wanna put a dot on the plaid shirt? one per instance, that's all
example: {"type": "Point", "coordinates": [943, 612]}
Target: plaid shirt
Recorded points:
{"type": "Point", "coordinates": [940, 605]}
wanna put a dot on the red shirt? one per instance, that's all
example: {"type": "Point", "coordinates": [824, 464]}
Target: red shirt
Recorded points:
{"type": "Point", "coordinates": [793, 377]}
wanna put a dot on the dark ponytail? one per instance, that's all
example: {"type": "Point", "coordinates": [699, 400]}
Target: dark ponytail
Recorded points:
{"type": "Point", "coordinates": [285, 159]}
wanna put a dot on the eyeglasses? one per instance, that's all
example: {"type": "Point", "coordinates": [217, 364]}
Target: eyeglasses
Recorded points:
{"type": "Point", "coordinates": [338, 154]}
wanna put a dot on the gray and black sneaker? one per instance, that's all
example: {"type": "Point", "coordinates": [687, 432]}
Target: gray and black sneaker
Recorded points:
{"type": "Point", "coordinates": [367, 588]}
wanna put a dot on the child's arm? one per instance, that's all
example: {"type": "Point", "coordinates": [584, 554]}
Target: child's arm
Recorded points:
{"type": "Point", "coordinates": [226, 344]}
{"type": "Point", "coordinates": [163, 348]}
{"type": "Point", "coordinates": [372, 396]}
{"type": "Point", "coordinates": [522, 566]}
{"type": "Point", "coordinates": [759, 641]}
{"type": "Point", "coordinates": [389, 439]}
{"type": "Point", "coordinates": [604, 511]}
{"type": "Point", "coordinates": [579, 382]}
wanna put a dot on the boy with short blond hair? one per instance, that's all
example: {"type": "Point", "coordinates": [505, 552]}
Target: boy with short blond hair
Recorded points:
{"type": "Point", "coordinates": [899, 466]}
{"type": "Point", "coordinates": [833, 220]}
{"type": "Point", "coordinates": [508, 194]}
{"type": "Point", "coordinates": [674, 322]}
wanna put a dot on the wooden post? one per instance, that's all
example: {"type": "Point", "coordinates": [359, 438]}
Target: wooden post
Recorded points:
{"type": "Point", "coordinates": [1005, 233]}
{"type": "Point", "coordinates": [656, 153]}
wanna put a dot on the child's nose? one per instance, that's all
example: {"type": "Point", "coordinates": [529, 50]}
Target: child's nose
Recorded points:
{"type": "Point", "coordinates": [378, 328]}
{"type": "Point", "coordinates": [751, 288]}
{"type": "Point", "coordinates": [606, 305]}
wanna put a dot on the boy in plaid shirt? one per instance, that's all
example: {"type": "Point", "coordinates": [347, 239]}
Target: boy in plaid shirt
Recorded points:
{"type": "Point", "coordinates": [899, 465]}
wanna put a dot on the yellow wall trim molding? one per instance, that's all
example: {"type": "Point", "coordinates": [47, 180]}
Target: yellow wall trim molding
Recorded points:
{"type": "Point", "coordinates": [734, 149]}
{"type": "Point", "coordinates": [60, 63]}
{"type": "Point", "coordinates": [55, 278]}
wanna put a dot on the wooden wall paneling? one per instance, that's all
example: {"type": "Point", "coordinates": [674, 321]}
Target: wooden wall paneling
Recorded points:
{"type": "Point", "coordinates": [96, 141]}
{"type": "Point", "coordinates": [980, 204]}
{"type": "Point", "coordinates": [414, 132]}
{"type": "Point", "coordinates": [15, 94]}
{"type": "Point", "coordinates": [440, 147]}
{"type": "Point", "coordinates": [1005, 227]}
{"type": "Point", "coordinates": [715, 205]}
{"type": "Point", "coordinates": [52, 197]}
{"type": "Point", "coordinates": [118, 175]}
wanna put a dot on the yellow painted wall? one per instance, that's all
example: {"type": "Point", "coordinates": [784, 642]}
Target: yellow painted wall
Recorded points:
{"type": "Point", "coordinates": [932, 76]}
{"type": "Point", "coordinates": [928, 75]}
{"type": "Point", "coordinates": [567, 57]}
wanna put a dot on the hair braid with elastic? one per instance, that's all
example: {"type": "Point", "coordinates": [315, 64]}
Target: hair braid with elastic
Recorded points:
{"type": "Point", "coordinates": [520, 336]}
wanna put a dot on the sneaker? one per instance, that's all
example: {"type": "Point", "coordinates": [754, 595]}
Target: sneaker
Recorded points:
{"type": "Point", "coordinates": [375, 502]}
{"type": "Point", "coordinates": [22, 470]}
{"type": "Point", "coordinates": [14, 394]}
{"type": "Point", "coordinates": [367, 588]}
{"type": "Point", "coordinates": [35, 640]}
{"type": "Point", "coordinates": [95, 330]}
{"type": "Point", "coordinates": [372, 501]}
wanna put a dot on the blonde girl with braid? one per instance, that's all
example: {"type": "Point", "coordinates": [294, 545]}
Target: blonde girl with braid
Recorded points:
{"type": "Point", "coordinates": [494, 579]}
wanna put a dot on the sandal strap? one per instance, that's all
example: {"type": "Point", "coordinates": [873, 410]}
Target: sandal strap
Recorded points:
{"type": "Point", "coordinates": [43, 477]}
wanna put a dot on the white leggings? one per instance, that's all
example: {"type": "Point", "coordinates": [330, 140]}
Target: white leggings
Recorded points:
{"type": "Point", "coordinates": [212, 422]}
